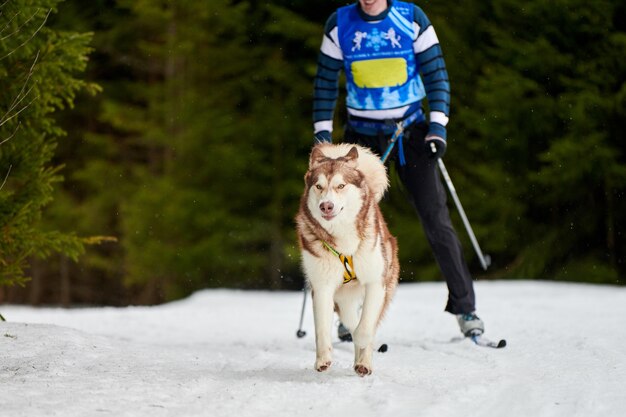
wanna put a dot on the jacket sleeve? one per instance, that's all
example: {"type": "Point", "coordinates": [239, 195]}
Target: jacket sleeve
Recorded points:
{"type": "Point", "coordinates": [326, 84]}
{"type": "Point", "coordinates": [434, 74]}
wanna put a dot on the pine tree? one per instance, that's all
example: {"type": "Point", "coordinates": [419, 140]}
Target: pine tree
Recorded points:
{"type": "Point", "coordinates": [217, 213]}
{"type": "Point", "coordinates": [194, 154]}
{"type": "Point", "coordinates": [547, 107]}
{"type": "Point", "coordinates": [38, 71]}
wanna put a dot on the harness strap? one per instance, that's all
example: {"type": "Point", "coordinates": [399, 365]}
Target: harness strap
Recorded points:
{"type": "Point", "coordinates": [401, 157]}
{"type": "Point", "coordinates": [348, 273]}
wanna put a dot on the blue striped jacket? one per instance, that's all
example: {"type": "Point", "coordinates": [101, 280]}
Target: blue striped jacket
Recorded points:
{"type": "Point", "coordinates": [428, 59]}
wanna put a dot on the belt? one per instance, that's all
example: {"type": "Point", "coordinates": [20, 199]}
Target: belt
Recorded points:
{"type": "Point", "coordinates": [387, 127]}
{"type": "Point", "coordinates": [374, 127]}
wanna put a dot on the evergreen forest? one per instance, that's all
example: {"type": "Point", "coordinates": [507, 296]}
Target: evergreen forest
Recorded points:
{"type": "Point", "coordinates": [151, 148]}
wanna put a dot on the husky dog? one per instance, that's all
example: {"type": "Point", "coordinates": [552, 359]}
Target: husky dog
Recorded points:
{"type": "Point", "coordinates": [348, 255]}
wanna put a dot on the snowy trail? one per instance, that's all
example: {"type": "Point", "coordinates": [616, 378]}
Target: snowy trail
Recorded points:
{"type": "Point", "coordinates": [233, 353]}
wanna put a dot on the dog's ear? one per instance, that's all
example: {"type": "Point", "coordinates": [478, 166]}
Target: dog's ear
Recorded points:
{"type": "Point", "coordinates": [352, 157]}
{"type": "Point", "coordinates": [308, 178]}
{"type": "Point", "coordinates": [316, 158]}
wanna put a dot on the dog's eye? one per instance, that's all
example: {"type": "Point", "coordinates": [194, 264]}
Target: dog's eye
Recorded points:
{"type": "Point", "coordinates": [319, 187]}
{"type": "Point", "coordinates": [340, 186]}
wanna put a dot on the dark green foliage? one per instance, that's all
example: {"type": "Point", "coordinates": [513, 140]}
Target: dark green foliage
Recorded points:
{"type": "Point", "coordinates": [546, 107]}
{"type": "Point", "coordinates": [193, 155]}
{"type": "Point", "coordinates": [213, 210]}
{"type": "Point", "coordinates": [190, 154]}
{"type": "Point", "coordinates": [38, 66]}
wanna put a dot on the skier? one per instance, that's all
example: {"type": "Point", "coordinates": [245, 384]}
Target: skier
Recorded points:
{"type": "Point", "coordinates": [384, 87]}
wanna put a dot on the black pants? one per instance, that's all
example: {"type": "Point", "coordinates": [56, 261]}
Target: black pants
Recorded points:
{"type": "Point", "coordinates": [428, 195]}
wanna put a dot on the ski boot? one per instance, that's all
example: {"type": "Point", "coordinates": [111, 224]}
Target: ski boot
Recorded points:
{"type": "Point", "coordinates": [343, 333]}
{"type": "Point", "coordinates": [470, 324]}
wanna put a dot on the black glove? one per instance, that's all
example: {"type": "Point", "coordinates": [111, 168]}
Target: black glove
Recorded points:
{"type": "Point", "coordinates": [322, 136]}
{"type": "Point", "coordinates": [435, 147]}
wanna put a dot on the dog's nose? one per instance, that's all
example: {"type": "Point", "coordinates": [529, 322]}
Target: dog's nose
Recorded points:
{"type": "Point", "coordinates": [327, 207]}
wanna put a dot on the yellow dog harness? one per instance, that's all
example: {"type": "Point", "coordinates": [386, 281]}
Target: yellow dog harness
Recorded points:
{"type": "Point", "coordinates": [348, 273]}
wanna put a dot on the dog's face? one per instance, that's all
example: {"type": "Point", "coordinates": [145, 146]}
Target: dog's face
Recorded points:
{"type": "Point", "coordinates": [334, 187]}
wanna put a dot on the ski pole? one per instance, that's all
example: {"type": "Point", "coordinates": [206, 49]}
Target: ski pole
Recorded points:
{"type": "Point", "coordinates": [396, 135]}
{"type": "Point", "coordinates": [301, 333]}
{"type": "Point", "coordinates": [485, 260]}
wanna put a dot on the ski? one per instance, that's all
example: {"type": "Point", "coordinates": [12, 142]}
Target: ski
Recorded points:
{"type": "Point", "coordinates": [484, 342]}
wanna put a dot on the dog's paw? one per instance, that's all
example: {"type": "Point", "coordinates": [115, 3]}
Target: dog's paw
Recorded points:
{"type": "Point", "coordinates": [362, 370]}
{"type": "Point", "coordinates": [322, 366]}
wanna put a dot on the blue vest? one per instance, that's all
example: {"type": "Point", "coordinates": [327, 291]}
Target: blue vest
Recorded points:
{"type": "Point", "coordinates": [380, 66]}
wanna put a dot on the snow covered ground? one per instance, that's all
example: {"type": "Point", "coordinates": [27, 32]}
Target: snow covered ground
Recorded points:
{"type": "Point", "coordinates": [235, 354]}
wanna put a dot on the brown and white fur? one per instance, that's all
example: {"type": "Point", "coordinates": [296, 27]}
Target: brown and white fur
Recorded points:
{"type": "Point", "coordinates": [343, 186]}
